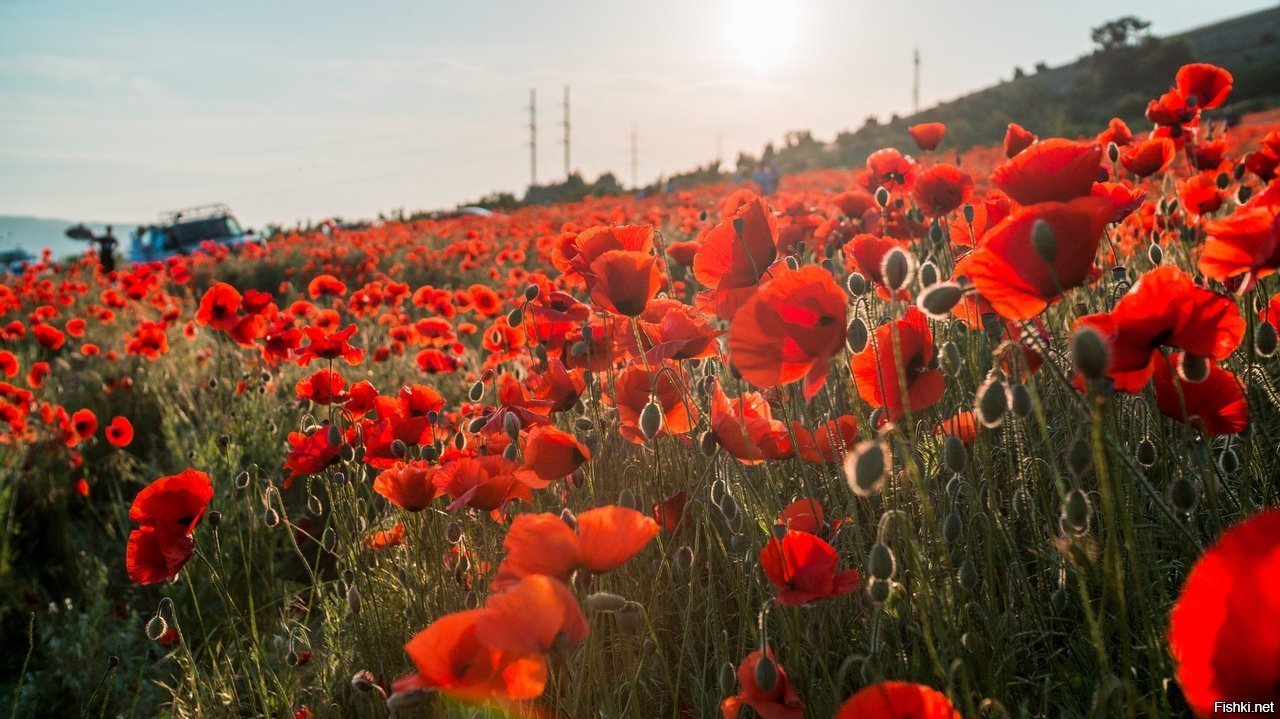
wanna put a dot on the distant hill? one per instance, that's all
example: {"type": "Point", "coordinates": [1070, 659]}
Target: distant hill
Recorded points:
{"type": "Point", "coordinates": [33, 234]}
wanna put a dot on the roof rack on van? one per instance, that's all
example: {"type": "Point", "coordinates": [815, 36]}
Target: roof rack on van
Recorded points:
{"type": "Point", "coordinates": [216, 209]}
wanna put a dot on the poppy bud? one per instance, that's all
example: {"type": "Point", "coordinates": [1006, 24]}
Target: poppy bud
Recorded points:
{"type": "Point", "coordinates": [430, 452]}
{"type": "Point", "coordinates": [1119, 274]}
{"type": "Point", "coordinates": [1173, 205]}
{"type": "Point", "coordinates": [969, 575]}
{"type": "Point", "coordinates": [511, 425]}
{"type": "Point", "coordinates": [224, 441]}
{"type": "Point", "coordinates": [1147, 454]}
{"type": "Point", "coordinates": [993, 401]}
{"type": "Point", "coordinates": [629, 618]}
{"type": "Point", "coordinates": [1183, 495]}
{"type": "Point", "coordinates": [1229, 461]}
{"type": "Point", "coordinates": [882, 196]}
{"type": "Point", "coordinates": [1079, 458]}
{"type": "Point", "coordinates": [938, 300]}
{"type": "Point", "coordinates": [1155, 253]}
{"type": "Point", "coordinates": [856, 284]}
{"type": "Point", "coordinates": [156, 627]}
{"type": "Point", "coordinates": [270, 517]}
{"type": "Point", "coordinates": [568, 517]}
{"type": "Point", "coordinates": [728, 679]}
{"type": "Point", "coordinates": [353, 599]}
{"type": "Point", "coordinates": [511, 453]}
{"type": "Point", "coordinates": [828, 265]}
{"type": "Point", "coordinates": [1264, 340]}
{"type": "Point", "coordinates": [408, 699]}
{"type": "Point", "coordinates": [531, 293]}
{"type": "Point", "coordinates": [1243, 193]}
{"type": "Point", "coordinates": [952, 528]}
{"type": "Point", "coordinates": [627, 498]}
{"type": "Point", "coordinates": [951, 359]}
{"type": "Point", "coordinates": [1020, 402]}
{"type": "Point", "coordinates": [1090, 354]}
{"type": "Point", "coordinates": [515, 317]}
{"type": "Point", "coordinates": [334, 436]}
{"type": "Point", "coordinates": [578, 349]}
{"type": "Point", "coordinates": [1059, 599]}
{"type": "Point", "coordinates": [471, 600]}
{"type": "Point", "coordinates": [718, 491]}
{"type": "Point", "coordinates": [708, 443]}
{"type": "Point", "coordinates": [1193, 368]}
{"type": "Point", "coordinates": [878, 590]}
{"type": "Point", "coordinates": [242, 480]}
{"type": "Point", "coordinates": [213, 383]}
{"type": "Point", "coordinates": [792, 262]}
{"type": "Point", "coordinates": [968, 212]}
{"type": "Point", "coordinates": [215, 518]}
{"type": "Point", "coordinates": [881, 563]}
{"type": "Point", "coordinates": [329, 540]}
{"type": "Point", "coordinates": [459, 441]}
{"type": "Point", "coordinates": [1077, 511]}
{"type": "Point", "coordinates": [1113, 152]}
{"type": "Point", "coordinates": [650, 420]}
{"type": "Point", "coordinates": [363, 681]}
{"type": "Point", "coordinates": [954, 455]}
{"type": "Point", "coordinates": [476, 392]}
{"type": "Point", "coordinates": [113, 661]}
{"type": "Point", "coordinates": [865, 468]}
{"type": "Point", "coordinates": [928, 274]}
{"type": "Point", "coordinates": [856, 335]}
{"type": "Point", "coordinates": [684, 559]}
{"type": "Point", "coordinates": [728, 507]}
{"type": "Point", "coordinates": [477, 424]}
{"type": "Point", "coordinates": [897, 269]}
{"type": "Point", "coordinates": [1044, 241]}
{"type": "Point", "coordinates": [583, 423]}
{"type": "Point", "coordinates": [779, 530]}
{"type": "Point", "coordinates": [605, 602]}
{"type": "Point", "coordinates": [1223, 180]}
{"type": "Point", "coordinates": [766, 674]}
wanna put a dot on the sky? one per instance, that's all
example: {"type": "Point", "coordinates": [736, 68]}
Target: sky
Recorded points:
{"type": "Point", "coordinates": [288, 111]}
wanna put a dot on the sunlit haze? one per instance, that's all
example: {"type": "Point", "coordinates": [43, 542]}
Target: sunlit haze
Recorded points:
{"type": "Point", "coordinates": [296, 110]}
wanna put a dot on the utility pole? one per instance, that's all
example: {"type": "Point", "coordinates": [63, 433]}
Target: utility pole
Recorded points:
{"type": "Point", "coordinates": [533, 136]}
{"type": "Point", "coordinates": [915, 84]}
{"type": "Point", "coordinates": [635, 157]}
{"type": "Point", "coordinates": [566, 131]}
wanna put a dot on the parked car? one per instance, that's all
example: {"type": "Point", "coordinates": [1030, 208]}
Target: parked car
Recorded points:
{"type": "Point", "coordinates": [183, 231]}
{"type": "Point", "coordinates": [15, 260]}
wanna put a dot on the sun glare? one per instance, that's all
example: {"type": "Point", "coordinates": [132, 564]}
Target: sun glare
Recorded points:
{"type": "Point", "coordinates": [761, 34]}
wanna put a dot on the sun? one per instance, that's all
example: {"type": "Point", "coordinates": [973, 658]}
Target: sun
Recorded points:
{"type": "Point", "coordinates": [761, 34]}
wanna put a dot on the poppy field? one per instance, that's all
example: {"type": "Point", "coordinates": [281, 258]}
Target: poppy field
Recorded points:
{"type": "Point", "coordinates": [955, 433]}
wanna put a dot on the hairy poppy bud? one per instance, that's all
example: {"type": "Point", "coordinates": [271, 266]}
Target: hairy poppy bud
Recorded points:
{"type": "Point", "coordinates": [578, 349]}
{"type": "Point", "coordinates": [1229, 461]}
{"type": "Point", "coordinates": [766, 674]}
{"type": "Point", "coordinates": [1155, 253]}
{"type": "Point", "coordinates": [856, 284]}
{"type": "Point", "coordinates": [882, 196]}
{"type": "Point", "coordinates": [1222, 180]}
{"type": "Point", "coordinates": [993, 402]}
{"type": "Point", "coordinates": [215, 518]}
{"type": "Point", "coordinates": [650, 420]}
{"type": "Point", "coordinates": [951, 359]}
{"type": "Point", "coordinates": [1090, 354]}
{"type": "Point", "coordinates": [511, 452]}
{"type": "Point", "coordinates": [897, 269]}
{"type": "Point", "coordinates": [865, 468]}
{"type": "Point", "coordinates": [354, 602]}
{"type": "Point", "coordinates": [938, 300]}
{"type": "Point", "coordinates": [1020, 402]}
{"type": "Point", "coordinates": [856, 335]}
{"type": "Point", "coordinates": [684, 559]}
{"type": "Point", "coordinates": [270, 517]}
{"type": "Point", "coordinates": [792, 262]}
{"type": "Point", "coordinates": [969, 575]}
{"type": "Point", "coordinates": [1264, 340]}
{"type": "Point", "coordinates": [728, 507]}
{"type": "Point", "coordinates": [968, 212]}
{"type": "Point", "coordinates": [708, 443]}
{"type": "Point", "coordinates": [113, 661]}
{"type": "Point", "coordinates": [728, 679]}
{"type": "Point", "coordinates": [569, 518]}
{"type": "Point", "coordinates": [242, 480]}
{"type": "Point", "coordinates": [605, 602]}
{"type": "Point", "coordinates": [1113, 152]}
{"type": "Point", "coordinates": [408, 699]}
{"type": "Point", "coordinates": [878, 590]}
{"type": "Point", "coordinates": [1147, 454]}
{"type": "Point", "coordinates": [928, 274]}
{"type": "Point", "coordinates": [1077, 511]}
{"type": "Point", "coordinates": [363, 681]}
{"type": "Point", "coordinates": [718, 491]}
{"type": "Point", "coordinates": [399, 448]}
{"type": "Point", "coordinates": [156, 627]}
{"type": "Point", "coordinates": [952, 528]}
{"type": "Point", "coordinates": [531, 292]}
{"type": "Point", "coordinates": [1183, 495]}
{"type": "Point", "coordinates": [1044, 241]}
{"type": "Point", "coordinates": [954, 455]}
{"type": "Point", "coordinates": [476, 393]}
{"type": "Point", "coordinates": [329, 539]}
{"type": "Point", "coordinates": [1193, 368]}
{"type": "Point", "coordinates": [583, 423]}
{"type": "Point", "coordinates": [1079, 458]}
{"type": "Point", "coordinates": [881, 563]}
{"type": "Point", "coordinates": [1244, 192]}
{"type": "Point", "coordinates": [511, 425]}
{"type": "Point", "coordinates": [477, 424]}
{"type": "Point", "coordinates": [1059, 600]}
{"type": "Point", "coordinates": [515, 317]}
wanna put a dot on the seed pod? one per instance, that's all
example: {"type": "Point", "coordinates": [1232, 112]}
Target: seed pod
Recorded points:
{"type": "Point", "coordinates": [650, 420]}
{"type": "Point", "coordinates": [880, 562]}
{"type": "Point", "coordinates": [939, 299]}
{"type": "Point", "coordinates": [1090, 354]}
{"type": "Point", "coordinates": [955, 457]}
{"type": "Point", "coordinates": [856, 284]}
{"type": "Point", "coordinates": [865, 468]}
{"type": "Point", "coordinates": [1155, 253]}
{"type": "Point", "coordinates": [766, 674]}
{"type": "Point", "coordinates": [1183, 495]}
{"type": "Point", "coordinates": [952, 528]}
{"type": "Point", "coordinates": [605, 603]}
{"type": "Point", "coordinates": [1264, 340]}
{"type": "Point", "coordinates": [878, 590]}
{"type": "Point", "coordinates": [897, 268]}
{"type": "Point", "coordinates": [856, 335]}
{"type": "Point", "coordinates": [1147, 453]}
{"type": "Point", "coordinates": [1193, 368]}
{"type": "Point", "coordinates": [1077, 511]}
{"type": "Point", "coordinates": [993, 402]}
{"type": "Point", "coordinates": [1079, 458]}
{"type": "Point", "coordinates": [1044, 241]}
{"type": "Point", "coordinates": [353, 599]}
{"type": "Point", "coordinates": [1020, 402]}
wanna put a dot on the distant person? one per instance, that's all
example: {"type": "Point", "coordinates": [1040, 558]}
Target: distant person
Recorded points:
{"type": "Point", "coordinates": [766, 176]}
{"type": "Point", "coordinates": [107, 251]}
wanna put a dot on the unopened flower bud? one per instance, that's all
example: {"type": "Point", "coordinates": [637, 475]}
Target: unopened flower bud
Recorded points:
{"type": "Point", "coordinates": [1077, 511]}
{"type": "Point", "coordinates": [881, 563]}
{"type": "Point", "coordinates": [766, 674]}
{"type": "Point", "coordinates": [1090, 354]}
{"type": "Point", "coordinates": [939, 299]}
{"type": "Point", "coordinates": [1044, 241]}
{"type": "Point", "coordinates": [955, 457]}
{"type": "Point", "coordinates": [856, 335]}
{"type": "Point", "coordinates": [865, 468]}
{"type": "Point", "coordinates": [650, 420]}
{"type": "Point", "coordinates": [897, 269]}
{"type": "Point", "coordinates": [1193, 368]}
{"type": "Point", "coordinates": [993, 402]}
{"type": "Point", "coordinates": [856, 284]}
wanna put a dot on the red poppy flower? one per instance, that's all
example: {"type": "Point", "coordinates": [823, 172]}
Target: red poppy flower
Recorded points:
{"type": "Point", "coordinates": [1053, 170]}
{"type": "Point", "coordinates": [433, 361]}
{"type": "Point", "coordinates": [578, 254]}
{"type": "Point", "coordinates": [220, 307]}
{"type": "Point", "coordinates": [550, 454]}
{"type": "Point", "coordinates": [1215, 406]}
{"type": "Point", "coordinates": [1245, 243]}
{"type": "Point", "coordinates": [1016, 139]}
{"type": "Point", "coordinates": [532, 616]}
{"type": "Point", "coordinates": [85, 423]}
{"type": "Point", "coordinates": [1205, 86]}
{"type": "Point", "coordinates": [735, 255]}
{"type": "Point", "coordinates": [1124, 198]}
{"type": "Point", "coordinates": [790, 330]}
{"type": "Point", "coordinates": [672, 514]}
{"type": "Point", "coordinates": [329, 346]}
{"type": "Point", "coordinates": [865, 254]}
{"type": "Point", "coordinates": [168, 510]}
{"type": "Point", "coordinates": [1165, 309]}
{"type": "Point", "coordinates": [384, 538]}
{"type": "Point", "coordinates": [119, 432]}
{"type": "Point", "coordinates": [668, 385]}
{"type": "Point", "coordinates": [48, 336]}
{"type": "Point", "coordinates": [310, 453]}
{"type": "Point", "coordinates": [745, 427]}
{"type": "Point", "coordinates": [941, 189]}
{"type": "Point", "coordinates": [897, 700]}
{"type": "Point", "coordinates": [781, 700]}
{"type": "Point", "coordinates": [452, 660]}
{"type": "Point", "coordinates": [803, 568]}
{"type": "Point", "coordinates": [602, 540]}
{"type": "Point", "coordinates": [671, 329]}
{"type": "Point", "coordinates": [903, 346]}
{"type": "Point", "coordinates": [624, 281]}
{"type": "Point", "coordinates": [928, 135]}
{"type": "Point", "coordinates": [828, 442]}
{"type": "Point", "coordinates": [1117, 131]}
{"type": "Point", "coordinates": [408, 485]}
{"type": "Point", "coordinates": [326, 285]}
{"type": "Point", "coordinates": [1014, 278]}
{"type": "Point", "coordinates": [8, 364]}
{"type": "Point", "coordinates": [484, 483]}
{"type": "Point", "coordinates": [889, 169]}
{"type": "Point", "coordinates": [1148, 156]}
{"type": "Point", "coordinates": [1223, 633]}
{"type": "Point", "coordinates": [322, 387]}
{"type": "Point", "coordinates": [803, 515]}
